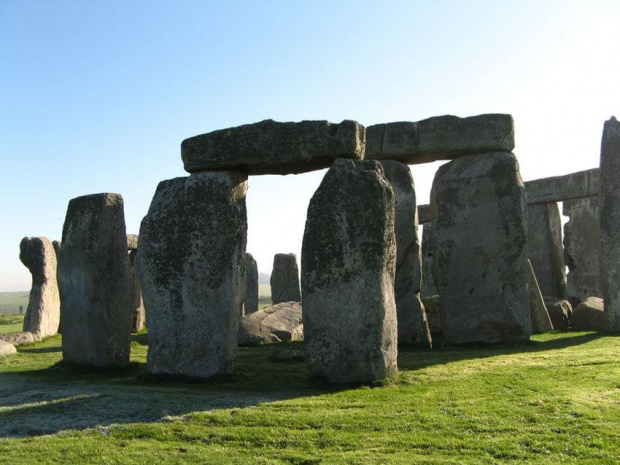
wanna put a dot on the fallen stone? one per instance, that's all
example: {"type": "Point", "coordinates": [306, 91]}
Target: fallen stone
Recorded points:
{"type": "Point", "coordinates": [251, 285]}
{"type": "Point", "coordinates": [271, 147]}
{"type": "Point", "coordinates": [20, 339]}
{"type": "Point", "coordinates": [6, 348]}
{"type": "Point", "coordinates": [560, 188]}
{"type": "Point", "coordinates": [278, 323]}
{"type": "Point", "coordinates": [132, 242]}
{"type": "Point", "coordinates": [432, 305]}
{"type": "Point", "coordinates": [589, 315]}
{"type": "Point", "coordinates": [285, 279]}
{"type": "Point", "coordinates": [348, 267]}
{"type": "Point", "coordinates": [428, 284]}
{"type": "Point", "coordinates": [541, 322]}
{"type": "Point", "coordinates": [137, 303]}
{"type": "Point", "coordinates": [560, 312]}
{"type": "Point", "coordinates": [287, 355]}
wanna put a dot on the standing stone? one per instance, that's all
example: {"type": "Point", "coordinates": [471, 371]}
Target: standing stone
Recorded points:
{"type": "Point", "coordinates": [428, 283]}
{"type": "Point", "coordinates": [560, 312]}
{"type": "Point", "coordinates": [43, 313]}
{"type": "Point", "coordinates": [541, 322]}
{"type": "Point", "coordinates": [285, 279]}
{"type": "Point", "coordinates": [137, 303]}
{"type": "Point", "coordinates": [348, 267]}
{"type": "Point", "coordinates": [582, 240]}
{"type": "Point", "coordinates": [480, 260]}
{"type": "Point", "coordinates": [93, 278]}
{"type": "Point", "coordinates": [609, 198]}
{"type": "Point", "coordinates": [545, 251]}
{"type": "Point", "coordinates": [412, 322]}
{"type": "Point", "coordinates": [251, 284]}
{"type": "Point", "coordinates": [191, 265]}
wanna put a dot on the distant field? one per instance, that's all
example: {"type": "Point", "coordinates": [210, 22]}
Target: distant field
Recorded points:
{"type": "Point", "coordinates": [11, 323]}
{"type": "Point", "coordinates": [264, 290]}
{"type": "Point", "coordinates": [11, 301]}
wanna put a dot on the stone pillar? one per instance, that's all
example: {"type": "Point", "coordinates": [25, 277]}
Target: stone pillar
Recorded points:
{"type": "Point", "coordinates": [428, 283]}
{"type": "Point", "coordinates": [285, 279]}
{"type": "Point", "coordinates": [545, 251]}
{"type": "Point", "coordinates": [412, 322]}
{"type": "Point", "coordinates": [541, 322]}
{"type": "Point", "coordinates": [93, 278]}
{"type": "Point", "coordinates": [609, 201]}
{"type": "Point", "coordinates": [137, 303]}
{"type": "Point", "coordinates": [348, 267]}
{"type": "Point", "coordinates": [191, 265]}
{"type": "Point", "coordinates": [480, 244]}
{"type": "Point", "coordinates": [43, 313]}
{"type": "Point", "coordinates": [251, 285]}
{"type": "Point", "coordinates": [582, 240]}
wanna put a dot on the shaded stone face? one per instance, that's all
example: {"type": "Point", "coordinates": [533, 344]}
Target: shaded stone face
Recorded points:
{"type": "Point", "coordinates": [560, 312]}
{"type": "Point", "coordinates": [559, 188]}
{"type": "Point", "coordinates": [479, 230]}
{"type": "Point", "coordinates": [428, 284]}
{"type": "Point", "coordinates": [139, 314]}
{"type": "Point", "coordinates": [285, 279]}
{"type": "Point", "coordinates": [93, 278]}
{"type": "Point", "coordinates": [348, 267]}
{"type": "Point", "coordinates": [43, 313]}
{"type": "Point", "coordinates": [589, 316]}
{"type": "Point", "coordinates": [191, 265]}
{"type": "Point", "coordinates": [271, 147]}
{"type": "Point", "coordinates": [541, 322]}
{"type": "Point", "coordinates": [251, 285]}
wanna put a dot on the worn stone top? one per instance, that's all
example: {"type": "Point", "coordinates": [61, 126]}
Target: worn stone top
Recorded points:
{"type": "Point", "coordinates": [558, 188]}
{"type": "Point", "coordinates": [271, 147]}
{"type": "Point", "coordinates": [440, 138]}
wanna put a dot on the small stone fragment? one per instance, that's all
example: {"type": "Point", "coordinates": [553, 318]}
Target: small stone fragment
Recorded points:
{"type": "Point", "coordinates": [6, 348]}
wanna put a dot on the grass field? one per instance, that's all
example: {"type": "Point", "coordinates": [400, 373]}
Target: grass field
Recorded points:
{"type": "Point", "coordinates": [554, 400]}
{"type": "Point", "coordinates": [11, 323]}
{"type": "Point", "coordinates": [11, 301]}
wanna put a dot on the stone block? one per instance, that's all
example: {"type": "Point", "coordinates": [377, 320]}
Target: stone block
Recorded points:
{"type": "Point", "coordinates": [251, 285]}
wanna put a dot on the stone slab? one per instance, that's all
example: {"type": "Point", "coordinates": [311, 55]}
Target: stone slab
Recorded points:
{"type": "Point", "coordinates": [541, 322]}
{"type": "Point", "coordinates": [560, 312]}
{"type": "Point", "coordinates": [284, 279]}
{"type": "Point", "coordinates": [6, 348]}
{"type": "Point", "coordinates": [278, 323]}
{"type": "Point", "coordinates": [20, 339]}
{"type": "Point", "coordinates": [250, 305]}
{"type": "Point", "coordinates": [428, 284]}
{"type": "Point", "coordinates": [559, 188]}
{"type": "Point", "coordinates": [589, 315]}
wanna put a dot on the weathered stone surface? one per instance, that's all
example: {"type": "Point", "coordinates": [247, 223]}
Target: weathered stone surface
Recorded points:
{"type": "Point", "coordinates": [560, 188]}
{"type": "Point", "coordinates": [609, 221]}
{"type": "Point", "coordinates": [589, 316]}
{"type": "Point", "coordinates": [348, 266]}
{"type": "Point", "coordinates": [20, 339]}
{"type": "Point", "coordinates": [440, 138]}
{"type": "Point", "coordinates": [6, 348]}
{"type": "Point", "coordinates": [251, 285]}
{"type": "Point", "coordinates": [428, 284]}
{"type": "Point", "coordinates": [541, 322]}
{"type": "Point", "coordinates": [43, 313]}
{"type": "Point", "coordinates": [191, 262]}
{"type": "Point", "coordinates": [285, 279]}
{"type": "Point", "coordinates": [278, 323]}
{"type": "Point", "coordinates": [93, 279]}
{"type": "Point", "coordinates": [545, 251]}
{"type": "Point", "coordinates": [412, 323]}
{"type": "Point", "coordinates": [479, 229]}
{"type": "Point", "coordinates": [432, 305]}
{"type": "Point", "coordinates": [271, 147]}
{"type": "Point", "coordinates": [57, 245]}
{"type": "Point", "coordinates": [560, 312]}
{"type": "Point", "coordinates": [132, 241]}
{"type": "Point", "coordinates": [581, 249]}
{"type": "Point", "coordinates": [424, 214]}
{"type": "Point", "coordinates": [135, 293]}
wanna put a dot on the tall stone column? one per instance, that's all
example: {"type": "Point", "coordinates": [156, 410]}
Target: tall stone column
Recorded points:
{"type": "Point", "coordinates": [135, 291]}
{"type": "Point", "coordinates": [428, 283]}
{"type": "Point", "coordinates": [251, 285]}
{"type": "Point", "coordinates": [285, 279]}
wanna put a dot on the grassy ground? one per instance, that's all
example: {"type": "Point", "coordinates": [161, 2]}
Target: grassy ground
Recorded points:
{"type": "Point", "coordinates": [554, 400]}
{"type": "Point", "coordinates": [11, 323]}
{"type": "Point", "coordinates": [264, 290]}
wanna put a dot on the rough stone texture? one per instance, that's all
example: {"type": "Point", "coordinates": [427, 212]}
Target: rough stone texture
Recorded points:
{"type": "Point", "coordinates": [545, 251]}
{"type": "Point", "coordinates": [281, 322]}
{"type": "Point", "coordinates": [424, 214]}
{"type": "Point", "coordinates": [412, 324]}
{"type": "Point", "coordinates": [57, 245]}
{"type": "Point", "coordinates": [20, 339]}
{"type": "Point", "coordinates": [560, 188]}
{"type": "Point", "coordinates": [609, 220]}
{"type": "Point", "coordinates": [271, 147]}
{"type": "Point", "coordinates": [251, 285]}
{"type": "Point", "coordinates": [6, 348]}
{"type": "Point", "coordinates": [93, 279]}
{"type": "Point", "coordinates": [137, 303]}
{"type": "Point", "coordinates": [285, 279]}
{"type": "Point", "coordinates": [541, 322]}
{"type": "Point", "coordinates": [432, 305]}
{"type": "Point", "coordinates": [348, 266]}
{"type": "Point", "coordinates": [581, 249]}
{"type": "Point", "coordinates": [43, 313]}
{"type": "Point", "coordinates": [428, 283]}
{"type": "Point", "coordinates": [589, 315]}
{"type": "Point", "coordinates": [480, 269]}
{"type": "Point", "coordinates": [132, 241]}
{"type": "Point", "coordinates": [191, 265]}
{"type": "Point", "coordinates": [440, 138]}
{"type": "Point", "coordinates": [560, 312]}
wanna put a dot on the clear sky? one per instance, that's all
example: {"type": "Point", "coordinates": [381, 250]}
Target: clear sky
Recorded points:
{"type": "Point", "coordinates": [96, 96]}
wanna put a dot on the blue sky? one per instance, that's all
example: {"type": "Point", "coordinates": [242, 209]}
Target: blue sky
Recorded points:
{"type": "Point", "coordinates": [97, 96]}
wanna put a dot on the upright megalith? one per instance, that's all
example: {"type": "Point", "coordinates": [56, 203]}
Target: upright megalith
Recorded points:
{"type": "Point", "coordinates": [412, 322]}
{"type": "Point", "coordinates": [135, 293]}
{"type": "Point", "coordinates": [480, 259]}
{"type": "Point", "coordinates": [43, 313]}
{"type": "Point", "coordinates": [348, 267]}
{"type": "Point", "coordinates": [191, 266]}
{"type": "Point", "coordinates": [428, 284]}
{"type": "Point", "coordinates": [251, 285]}
{"type": "Point", "coordinates": [541, 321]}
{"type": "Point", "coordinates": [93, 278]}
{"type": "Point", "coordinates": [609, 201]}
{"type": "Point", "coordinates": [285, 279]}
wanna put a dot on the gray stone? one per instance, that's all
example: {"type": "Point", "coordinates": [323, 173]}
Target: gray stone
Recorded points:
{"type": "Point", "coordinates": [278, 323]}
{"type": "Point", "coordinates": [432, 305]}
{"type": "Point", "coordinates": [424, 214]}
{"type": "Point", "coordinates": [271, 147]}
{"type": "Point", "coordinates": [560, 312]}
{"type": "Point", "coordinates": [589, 315]}
{"type": "Point", "coordinates": [412, 324]}
{"type": "Point", "coordinates": [609, 220]}
{"type": "Point", "coordinates": [581, 249]}
{"type": "Point", "coordinates": [541, 322]}
{"type": "Point", "coordinates": [251, 285]}
{"type": "Point", "coordinates": [560, 188]}
{"type": "Point", "coordinates": [43, 313]}
{"type": "Point", "coordinates": [132, 242]}
{"type": "Point", "coordinates": [348, 267]}
{"type": "Point", "coordinates": [93, 279]}
{"type": "Point", "coordinates": [137, 303]}
{"type": "Point", "coordinates": [20, 339]}
{"type": "Point", "coordinates": [480, 268]}
{"type": "Point", "coordinates": [6, 348]}
{"type": "Point", "coordinates": [57, 245]}
{"type": "Point", "coordinates": [545, 251]}
{"type": "Point", "coordinates": [191, 262]}
{"type": "Point", "coordinates": [428, 284]}
{"type": "Point", "coordinates": [440, 138]}
{"type": "Point", "coordinates": [285, 279]}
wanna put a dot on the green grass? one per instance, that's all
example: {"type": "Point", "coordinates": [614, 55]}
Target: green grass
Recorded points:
{"type": "Point", "coordinates": [11, 323]}
{"type": "Point", "coordinates": [264, 290]}
{"type": "Point", "coordinates": [555, 400]}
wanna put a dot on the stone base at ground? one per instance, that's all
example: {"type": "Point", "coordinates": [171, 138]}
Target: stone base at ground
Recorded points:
{"type": "Point", "coordinates": [560, 312]}
{"type": "Point", "coordinates": [6, 348]}
{"type": "Point", "coordinates": [541, 323]}
{"type": "Point", "coordinates": [278, 323]}
{"type": "Point", "coordinates": [20, 339]}
{"type": "Point", "coordinates": [432, 305]}
{"type": "Point", "coordinates": [589, 316]}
